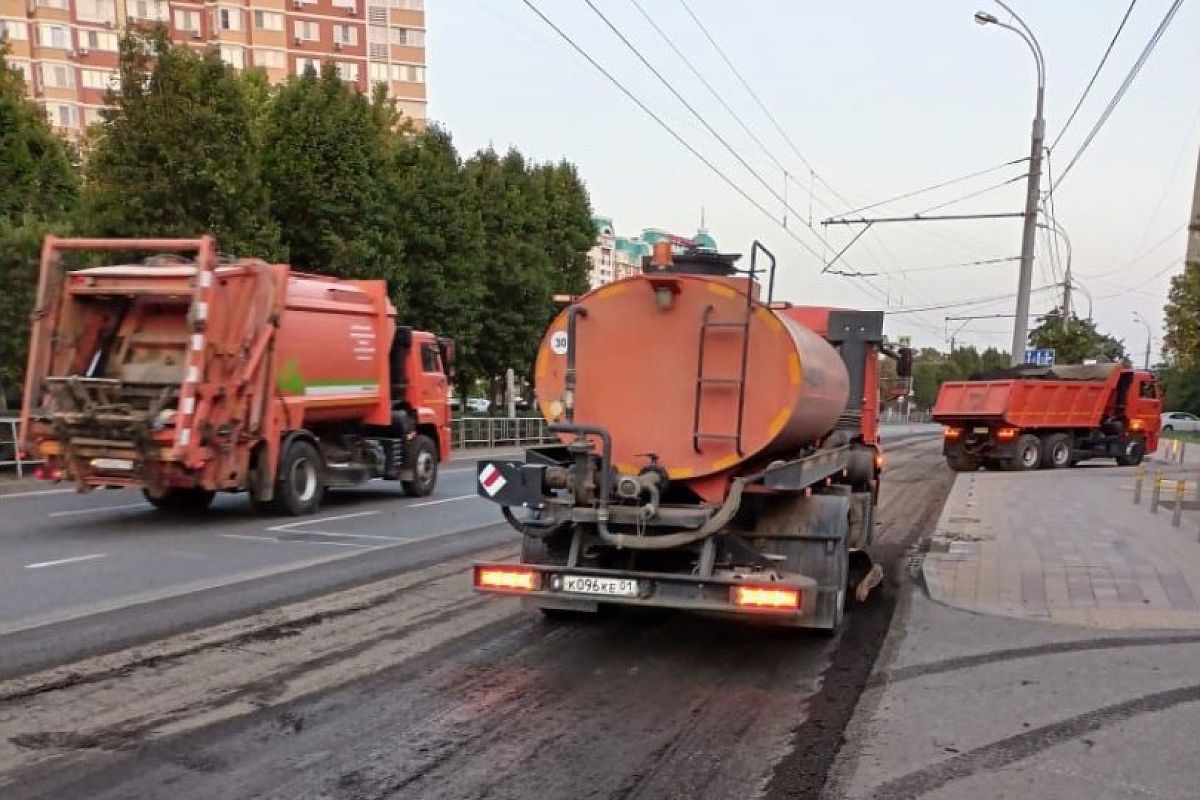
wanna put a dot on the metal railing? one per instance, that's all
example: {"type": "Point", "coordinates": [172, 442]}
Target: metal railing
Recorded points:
{"type": "Point", "coordinates": [467, 432]}
{"type": "Point", "coordinates": [892, 416]}
{"type": "Point", "coordinates": [10, 449]}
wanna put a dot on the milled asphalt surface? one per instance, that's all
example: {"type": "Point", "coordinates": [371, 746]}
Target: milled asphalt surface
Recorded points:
{"type": "Point", "coordinates": [423, 689]}
{"type": "Point", "coordinates": [83, 574]}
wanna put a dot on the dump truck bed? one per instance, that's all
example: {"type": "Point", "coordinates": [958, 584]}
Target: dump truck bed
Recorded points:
{"type": "Point", "coordinates": [1025, 403]}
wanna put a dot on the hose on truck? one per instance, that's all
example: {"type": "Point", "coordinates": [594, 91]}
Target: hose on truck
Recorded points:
{"type": "Point", "coordinates": [714, 525]}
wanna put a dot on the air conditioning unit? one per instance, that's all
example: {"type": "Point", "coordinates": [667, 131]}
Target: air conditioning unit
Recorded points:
{"type": "Point", "coordinates": [108, 23]}
{"type": "Point", "coordinates": [196, 34]}
{"type": "Point", "coordinates": [83, 51]}
{"type": "Point", "coordinates": [297, 3]}
{"type": "Point", "coordinates": [337, 46]}
{"type": "Point", "coordinates": [299, 42]}
{"type": "Point", "coordinates": [71, 54]}
{"type": "Point", "coordinates": [352, 11]}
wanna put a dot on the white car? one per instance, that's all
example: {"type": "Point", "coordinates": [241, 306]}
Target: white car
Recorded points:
{"type": "Point", "coordinates": [1180, 421]}
{"type": "Point", "coordinates": [479, 405]}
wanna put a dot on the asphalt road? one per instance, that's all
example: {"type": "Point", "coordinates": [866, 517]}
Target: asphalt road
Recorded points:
{"type": "Point", "coordinates": [414, 687]}
{"type": "Point", "coordinates": [84, 574]}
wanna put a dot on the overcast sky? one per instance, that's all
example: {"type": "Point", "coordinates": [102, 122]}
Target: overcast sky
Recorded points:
{"type": "Point", "coordinates": [880, 98]}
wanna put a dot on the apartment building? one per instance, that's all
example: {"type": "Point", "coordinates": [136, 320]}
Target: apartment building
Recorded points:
{"type": "Point", "coordinates": [67, 49]}
{"type": "Point", "coordinates": [614, 257]}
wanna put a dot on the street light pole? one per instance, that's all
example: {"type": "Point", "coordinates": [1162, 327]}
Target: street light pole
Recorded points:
{"type": "Point", "coordinates": [1033, 183]}
{"type": "Point", "coordinates": [1141, 319]}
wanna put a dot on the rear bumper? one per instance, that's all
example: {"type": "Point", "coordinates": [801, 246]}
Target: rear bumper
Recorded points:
{"type": "Point", "coordinates": [686, 592]}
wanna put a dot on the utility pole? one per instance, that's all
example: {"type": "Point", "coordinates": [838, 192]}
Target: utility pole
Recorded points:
{"type": "Point", "coordinates": [1066, 309]}
{"type": "Point", "coordinates": [1192, 259]}
{"type": "Point", "coordinates": [1033, 184]}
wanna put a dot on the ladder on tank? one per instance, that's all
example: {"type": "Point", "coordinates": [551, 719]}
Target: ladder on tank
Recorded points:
{"type": "Point", "coordinates": [742, 326]}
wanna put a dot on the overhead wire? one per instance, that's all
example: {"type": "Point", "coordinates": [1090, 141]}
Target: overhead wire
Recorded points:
{"type": "Point", "coordinates": [1091, 82]}
{"type": "Point", "coordinates": [1121, 91]}
{"type": "Point", "coordinates": [675, 135]}
{"type": "Point", "coordinates": [930, 188]}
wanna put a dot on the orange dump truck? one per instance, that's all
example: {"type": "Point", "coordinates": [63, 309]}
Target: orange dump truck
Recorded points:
{"type": "Point", "coordinates": [185, 376]}
{"type": "Point", "coordinates": [1050, 417]}
{"type": "Point", "coordinates": [718, 451]}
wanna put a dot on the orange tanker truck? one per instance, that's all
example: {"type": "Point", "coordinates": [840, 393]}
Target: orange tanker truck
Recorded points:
{"type": "Point", "coordinates": [185, 376]}
{"type": "Point", "coordinates": [718, 451]}
{"type": "Point", "coordinates": [1030, 417]}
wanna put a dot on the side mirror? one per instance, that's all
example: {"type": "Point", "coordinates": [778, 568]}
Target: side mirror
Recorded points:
{"type": "Point", "coordinates": [446, 346]}
{"type": "Point", "coordinates": [904, 362]}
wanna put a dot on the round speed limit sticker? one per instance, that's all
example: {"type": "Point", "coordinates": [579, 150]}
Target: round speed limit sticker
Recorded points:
{"type": "Point", "coordinates": [558, 343]}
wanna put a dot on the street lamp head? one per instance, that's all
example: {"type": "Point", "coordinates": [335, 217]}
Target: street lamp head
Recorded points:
{"type": "Point", "coordinates": [984, 18]}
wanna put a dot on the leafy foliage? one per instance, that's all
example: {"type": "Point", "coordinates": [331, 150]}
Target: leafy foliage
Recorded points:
{"type": "Point", "coordinates": [1075, 342]}
{"type": "Point", "coordinates": [38, 192]}
{"type": "Point", "coordinates": [932, 368]}
{"type": "Point", "coordinates": [1181, 341]}
{"type": "Point", "coordinates": [176, 154]}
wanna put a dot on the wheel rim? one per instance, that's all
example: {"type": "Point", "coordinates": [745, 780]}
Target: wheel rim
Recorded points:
{"type": "Point", "coordinates": [1029, 456]}
{"type": "Point", "coordinates": [1060, 453]}
{"type": "Point", "coordinates": [425, 468]}
{"type": "Point", "coordinates": [304, 479]}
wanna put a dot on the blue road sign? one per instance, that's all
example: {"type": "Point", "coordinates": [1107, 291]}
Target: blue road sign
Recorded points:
{"type": "Point", "coordinates": [1042, 357]}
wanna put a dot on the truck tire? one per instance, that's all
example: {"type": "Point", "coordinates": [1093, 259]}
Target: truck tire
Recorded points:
{"type": "Point", "coordinates": [300, 486]}
{"type": "Point", "coordinates": [1027, 453]}
{"type": "Point", "coordinates": [1130, 452]}
{"type": "Point", "coordinates": [424, 460]}
{"type": "Point", "coordinates": [1057, 452]}
{"type": "Point", "coordinates": [962, 463]}
{"type": "Point", "coordinates": [181, 501]}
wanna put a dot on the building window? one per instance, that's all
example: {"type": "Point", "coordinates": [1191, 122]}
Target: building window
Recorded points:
{"type": "Point", "coordinates": [305, 64]}
{"type": "Point", "coordinates": [97, 10]}
{"type": "Point", "coordinates": [411, 37]}
{"type": "Point", "coordinates": [13, 31]}
{"type": "Point", "coordinates": [187, 20]}
{"type": "Point", "coordinates": [271, 59]}
{"type": "Point", "coordinates": [98, 40]}
{"type": "Point", "coordinates": [148, 9]}
{"type": "Point", "coordinates": [408, 73]}
{"type": "Point", "coordinates": [409, 5]}
{"type": "Point", "coordinates": [64, 5]}
{"type": "Point", "coordinates": [54, 36]}
{"type": "Point", "coordinates": [58, 75]}
{"type": "Point", "coordinates": [346, 35]}
{"type": "Point", "coordinates": [227, 19]}
{"type": "Point", "coordinates": [378, 73]}
{"type": "Point", "coordinates": [348, 71]}
{"type": "Point", "coordinates": [98, 78]}
{"type": "Point", "coordinates": [63, 115]}
{"type": "Point", "coordinates": [350, 5]}
{"type": "Point", "coordinates": [233, 56]}
{"type": "Point", "coordinates": [411, 109]}
{"type": "Point", "coordinates": [307, 30]}
{"type": "Point", "coordinates": [268, 20]}
{"type": "Point", "coordinates": [92, 115]}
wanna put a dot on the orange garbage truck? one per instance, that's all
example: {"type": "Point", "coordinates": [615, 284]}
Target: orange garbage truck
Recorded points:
{"type": "Point", "coordinates": [1029, 417]}
{"type": "Point", "coordinates": [718, 451]}
{"type": "Point", "coordinates": [187, 375]}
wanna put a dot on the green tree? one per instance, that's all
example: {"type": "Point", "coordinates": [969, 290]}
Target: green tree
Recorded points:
{"type": "Point", "coordinates": [567, 231]}
{"type": "Point", "coordinates": [438, 220]}
{"type": "Point", "coordinates": [38, 192]}
{"type": "Point", "coordinates": [992, 359]}
{"type": "Point", "coordinates": [1181, 341]}
{"type": "Point", "coordinates": [176, 154]}
{"type": "Point", "coordinates": [1075, 342]}
{"type": "Point", "coordinates": [326, 153]}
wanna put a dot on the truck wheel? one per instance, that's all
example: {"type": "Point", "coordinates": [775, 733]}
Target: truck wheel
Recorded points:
{"type": "Point", "coordinates": [1057, 451]}
{"type": "Point", "coordinates": [181, 501]}
{"type": "Point", "coordinates": [1131, 452]}
{"type": "Point", "coordinates": [300, 487]}
{"type": "Point", "coordinates": [962, 463]}
{"type": "Point", "coordinates": [1027, 453]}
{"type": "Point", "coordinates": [424, 466]}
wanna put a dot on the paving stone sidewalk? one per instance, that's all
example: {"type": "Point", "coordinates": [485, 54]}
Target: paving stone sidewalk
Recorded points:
{"type": "Point", "coordinates": [1069, 546]}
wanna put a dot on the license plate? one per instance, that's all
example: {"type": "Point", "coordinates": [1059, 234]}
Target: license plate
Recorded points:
{"type": "Point", "coordinates": [112, 463]}
{"type": "Point", "coordinates": [979, 430]}
{"type": "Point", "coordinates": [610, 587]}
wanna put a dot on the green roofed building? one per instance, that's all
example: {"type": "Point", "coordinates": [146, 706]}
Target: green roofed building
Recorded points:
{"type": "Point", "coordinates": [615, 257]}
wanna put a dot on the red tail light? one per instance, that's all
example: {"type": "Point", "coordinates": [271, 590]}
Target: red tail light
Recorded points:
{"type": "Point", "coordinates": [779, 597]}
{"type": "Point", "coordinates": [511, 579]}
{"type": "Point", "coordinates": [952, 433]}
{"type": "Point", "coordinates": [40, 474]}
{"type": "Point", "coordinates": [56, 475]}
{"type": "Point", "coordinates": [1007, 434]}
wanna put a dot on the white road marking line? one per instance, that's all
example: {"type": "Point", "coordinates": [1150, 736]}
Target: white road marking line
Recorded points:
{"type": "Point", "coordinates": [443, 500]}
{"type": "Point", "coordinates": [244, 536]}
{"type": "Point", "coordinates": [279, 540]}
{"type": "Point", "coordinates": [96, 510]}
{"type": "Point", "coordinates": [332, 544]}
{"type": "Point", "coordinates": [289, 525]}
{"type": "Point", "coordinates": [72, 560]}
{"type": "Point", "coordinates": [39, 492]}
{"type": "Point", "coordinates": [352, 536]}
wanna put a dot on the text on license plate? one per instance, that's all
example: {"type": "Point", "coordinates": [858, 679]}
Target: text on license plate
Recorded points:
{"type": "Point", "coordinates": [612, 587]}
{"type": "Point", "coordinates": [112, 463]}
